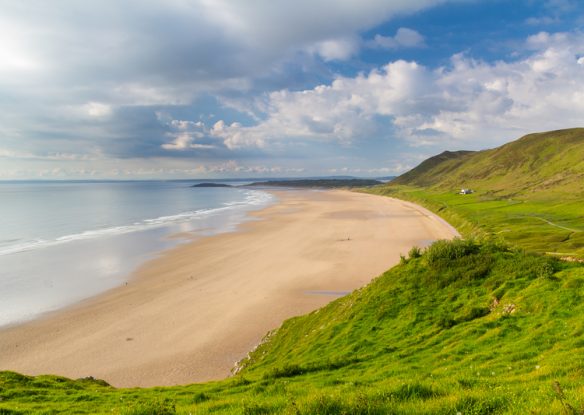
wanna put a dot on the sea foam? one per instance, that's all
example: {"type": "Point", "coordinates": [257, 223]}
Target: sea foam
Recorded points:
{"type": "Point", "coordinates": [253, 198]}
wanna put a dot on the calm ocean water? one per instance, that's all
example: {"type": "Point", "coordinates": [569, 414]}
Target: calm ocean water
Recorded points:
{"type": "Point", "coordinates": [61, 242]}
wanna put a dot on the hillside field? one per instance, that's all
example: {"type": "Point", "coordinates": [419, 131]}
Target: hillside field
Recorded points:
{"type": "Point", "coordinates": [529, 192]}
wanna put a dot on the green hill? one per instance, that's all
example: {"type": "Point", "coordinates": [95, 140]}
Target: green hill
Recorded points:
{"type": "Point", "coordinates": [429, 170]}
{"type": "Point", "coordinates": [529, 192]}
{"type": "Point", "coordinates": [545, 162]}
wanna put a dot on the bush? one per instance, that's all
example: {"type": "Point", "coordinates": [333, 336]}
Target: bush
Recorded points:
{"type": "Point", "coordinates": [545, 270]}
{"type": "Point", "coordinates": [415, 252]}
{"type": "Point", "coordinates": [443, 250]}
{"type": "Point", "coordinates": [532, 266]}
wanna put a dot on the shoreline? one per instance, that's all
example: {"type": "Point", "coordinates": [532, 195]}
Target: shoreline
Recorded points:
{"type": "Point", "coordinates": [38, 275]}
{"type": "Point", "coordinates": [189, 314]}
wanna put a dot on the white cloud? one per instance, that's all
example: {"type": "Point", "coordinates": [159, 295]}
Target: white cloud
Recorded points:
{"type": "Point", "coordinates": [167, 52]}
{"type": "Point", "coordinates": [336, 49]}
{"type": "Point", "coordinates": [235, 136]}
{"type": "Point", "coordinates": [342, 111]}
{"type": "Point", "coordinates": [184, 135]}
{"type": "Point", "coordinates": [473, 101]}
{"type": "Point", "coordinates": [543, 20]}
{"type": "Point", "coordinates": [97, 109]}
{"type": "Point", "coordinates": [233, 166]}
{"type": "Point", "coordinates": [183, 141]}
{"type": "Point", "coordinates": [404, 38]}
{"type": "Point", "coordinates": [20, 155]}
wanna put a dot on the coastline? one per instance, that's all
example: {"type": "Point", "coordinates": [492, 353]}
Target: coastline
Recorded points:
{"type": "Point", "coordinates": [116, 229]}
{"type": "Point", "coordinates": [189, 314]}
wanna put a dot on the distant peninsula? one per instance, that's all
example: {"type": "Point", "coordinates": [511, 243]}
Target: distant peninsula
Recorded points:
{"type": "Point", "coordinates": [319, 183]}
{"type": "Point", "coordinates": [211, 185]}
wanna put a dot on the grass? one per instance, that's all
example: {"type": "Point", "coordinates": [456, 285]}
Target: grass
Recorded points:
{"type": "Point", "coordinates": [541, 223]}
{"type": "Point", "coordinates": [464, 326]}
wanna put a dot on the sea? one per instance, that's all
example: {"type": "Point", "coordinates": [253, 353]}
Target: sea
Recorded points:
{"type": "Point", "coordinates": [62, 242]}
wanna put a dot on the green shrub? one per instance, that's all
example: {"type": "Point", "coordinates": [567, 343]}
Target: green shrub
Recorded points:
{"type": "Point", "coordinates": [445, 250]}
{"type": "Point", "coordinates": [415, 252]}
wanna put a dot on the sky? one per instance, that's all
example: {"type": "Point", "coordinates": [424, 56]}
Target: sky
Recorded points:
{"type": "Point", "coordinates": [179, 89]}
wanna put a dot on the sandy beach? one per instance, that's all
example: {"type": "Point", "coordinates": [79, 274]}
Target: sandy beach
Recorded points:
{"type": "Point", "coordinates": [189, 314]}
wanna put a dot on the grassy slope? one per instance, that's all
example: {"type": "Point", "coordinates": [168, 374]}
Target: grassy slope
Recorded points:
{"type": "Point", "coordinates": [529, 192]}
{"type": "Point", "coordinates": [465, 327]}
{"type": "Point", "coordinates": [441, 165]}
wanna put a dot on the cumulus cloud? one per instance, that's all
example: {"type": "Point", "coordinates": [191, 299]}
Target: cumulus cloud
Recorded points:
{"type": "Point", "coordinates": [184, 133]}
{"type": "Point", "coordinates": [470, 101]}
{"type": "Point", "coordinates": [404, 38]}
{"type": "Point", "coordinates": [235, 136]}
{"type": "Point", "coordinates": [184, 141]}
{"type": "Point", "coordinates": [342, 111]}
